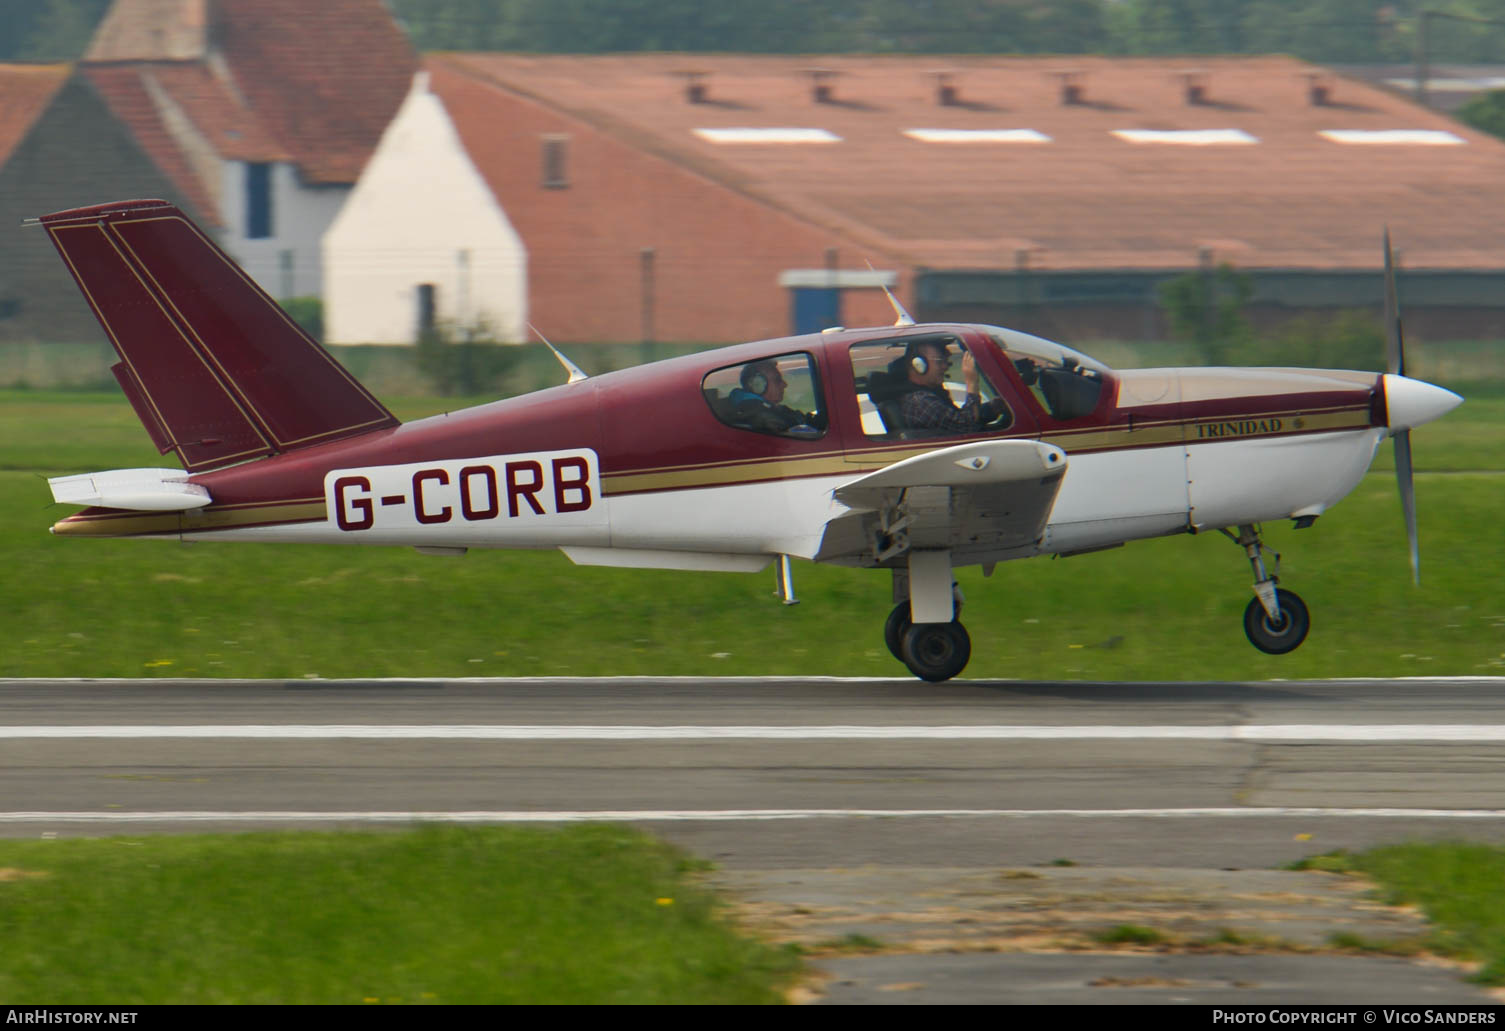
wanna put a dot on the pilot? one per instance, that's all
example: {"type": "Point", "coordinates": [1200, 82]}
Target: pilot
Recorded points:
{"type": "Point", "coordinates": [927, 405]}
{"type": "Point", "coordinates": [757, 402]}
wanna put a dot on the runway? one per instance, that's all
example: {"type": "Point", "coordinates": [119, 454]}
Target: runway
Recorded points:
{"type": "Point", "coordinates": [772, 777]}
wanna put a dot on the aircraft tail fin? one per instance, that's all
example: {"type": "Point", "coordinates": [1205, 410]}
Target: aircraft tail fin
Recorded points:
{"type": "Point", "coordinates": [215, 369]}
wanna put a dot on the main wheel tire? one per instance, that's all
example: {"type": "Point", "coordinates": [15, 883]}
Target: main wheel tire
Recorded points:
{"type": "Point", "coordinates": [894, 630]}
{"type": "Point", "coordinates": [1276, 637]}
{"type": "Point", "coordinates": [937, 651]}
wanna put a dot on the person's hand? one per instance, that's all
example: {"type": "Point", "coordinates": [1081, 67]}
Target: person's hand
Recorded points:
{"type": "Point", "coordinates": [969, 372]}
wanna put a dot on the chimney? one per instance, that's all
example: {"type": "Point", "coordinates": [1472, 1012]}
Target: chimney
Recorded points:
{"type": "Point", "coordinates": [1194, 84]}
{"type": "Point", "coordinates": [1072, 91]}
{"type": "Point", "coordinates": [821, 90]}
{"type": "Point", "coordinates": [1319, 89]}
{"type": "Point", "coordinates": [946, 92]}
{"type": "Point", "coordinates": [695, 86]}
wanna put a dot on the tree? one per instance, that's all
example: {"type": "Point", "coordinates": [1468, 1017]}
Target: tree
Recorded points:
{"type": "Point", "coordinates": [1206, 308]}
{"type": "Point", "coordinates": [1486, 112]}
{"type": "Point", "coordinates": [61, 31]}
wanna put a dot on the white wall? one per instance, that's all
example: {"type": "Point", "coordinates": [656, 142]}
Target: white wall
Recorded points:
{"type": "Point", "coordinates": [422, 213]}
{"type": "Point", "coordinates": [300, 217]}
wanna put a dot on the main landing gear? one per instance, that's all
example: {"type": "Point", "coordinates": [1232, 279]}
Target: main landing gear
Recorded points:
{"type": "Point", "coordinates": [1276, 620]}
{"type": "Point", "coordinates": [932, 651]}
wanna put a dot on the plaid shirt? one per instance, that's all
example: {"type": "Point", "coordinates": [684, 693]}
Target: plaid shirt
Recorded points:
{"type": "Point", "coordinates": [932, 409]}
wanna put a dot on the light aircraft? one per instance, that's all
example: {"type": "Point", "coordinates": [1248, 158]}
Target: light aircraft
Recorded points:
{"type": "Point", "coordinates": [810, 446]}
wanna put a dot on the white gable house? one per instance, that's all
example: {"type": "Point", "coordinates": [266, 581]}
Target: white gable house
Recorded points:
{"type": "Point", "coordinates": [422, 241]}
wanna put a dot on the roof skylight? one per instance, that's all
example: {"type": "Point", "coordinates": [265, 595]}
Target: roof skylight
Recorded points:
{"type": "Point", "coordinates": [1188, 137]}
{"type": "Point", "coordinates": [1413, 137]}
{"type": "Point", "coordinates": [977, 135]}
{"type": "Point", "coordinates": [772, 135]}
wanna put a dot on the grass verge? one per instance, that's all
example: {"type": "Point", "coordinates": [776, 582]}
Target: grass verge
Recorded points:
{"type": "Point", "coordinates": [594, 914]}
{"type": "Point", "coordinates": [1460, 886]}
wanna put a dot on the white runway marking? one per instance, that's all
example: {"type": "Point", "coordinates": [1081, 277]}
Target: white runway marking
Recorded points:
{"type": "Point", "coordinates": [1254, 733]}
{"type": "Point", "coordinates": [714, 815]}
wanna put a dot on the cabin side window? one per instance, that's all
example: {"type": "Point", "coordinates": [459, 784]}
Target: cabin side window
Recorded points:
{"type": "Point", "coordinates": [917, 386]}
{"type": "Point", "coordinates": [779, 395]}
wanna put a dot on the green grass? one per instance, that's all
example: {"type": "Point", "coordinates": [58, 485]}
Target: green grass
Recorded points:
{"type": "Point", "coordinates": [1129, 934]}
{"type": "Point", "coordinates": [595, 914]}
{"type": "Point", "coordinates": [1460, 886]}
{"type": "Point", "coordinates": [1166, 609]}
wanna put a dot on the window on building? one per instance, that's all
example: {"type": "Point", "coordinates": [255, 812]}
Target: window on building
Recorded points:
{"type": "Point", "coordinates": [779, 395]}
{"type": "Point", "coordinates": [555, 162]}
{"type": "Point", "coordinates": [258, 200]}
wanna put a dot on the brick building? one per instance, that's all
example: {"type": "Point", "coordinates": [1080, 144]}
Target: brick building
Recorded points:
{"type": "Point", "coordinates": [722, 197]}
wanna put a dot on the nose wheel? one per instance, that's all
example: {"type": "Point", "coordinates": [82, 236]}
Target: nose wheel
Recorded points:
{"type": "Point", "coordinates": [1276, 621]}
{"type": "Point", "coordinates": [1276, 635]}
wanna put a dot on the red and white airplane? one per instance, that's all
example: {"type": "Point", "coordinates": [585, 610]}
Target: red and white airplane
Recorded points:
{"type": "Point", "coordinates": [848, 446]}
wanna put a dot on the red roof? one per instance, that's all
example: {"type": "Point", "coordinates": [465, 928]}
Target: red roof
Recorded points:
{"type": "Point", "coordinates": [314, 84]}
{"type": "Point", "coordinates": [1080, 196]}
{"type": "Point", "coordinates": [25, 90]}
{"type": "Point", "coordinates": [324, 78]}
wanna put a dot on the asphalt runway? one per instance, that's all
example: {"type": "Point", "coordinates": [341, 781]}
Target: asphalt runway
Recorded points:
{"type": "Point", "coordinates": [995, 823]}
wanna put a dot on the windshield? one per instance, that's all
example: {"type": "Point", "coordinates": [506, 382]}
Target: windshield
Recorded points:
{"type": "Point", "coordinates": [1067, 383]}
{"type": "Point", "coordinates": [1047, 352]}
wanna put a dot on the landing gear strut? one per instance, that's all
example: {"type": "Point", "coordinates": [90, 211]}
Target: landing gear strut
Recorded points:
{"type": "Point", "coordinates": [1276, 620]}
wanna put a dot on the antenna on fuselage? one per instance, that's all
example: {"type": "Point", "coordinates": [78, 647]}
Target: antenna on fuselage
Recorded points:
{"type": "Point", "coordinates": [576, 372]}
{"type": "Point", "coordinates": [904, 318]}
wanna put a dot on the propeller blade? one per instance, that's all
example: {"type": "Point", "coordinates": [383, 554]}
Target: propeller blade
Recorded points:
{"type": "Point", "coordinates": [1395, 352]}
{"type": "Point", "coordinates": [1407, 486]}
{"type": "Point", "coordinates": [1395, 363]}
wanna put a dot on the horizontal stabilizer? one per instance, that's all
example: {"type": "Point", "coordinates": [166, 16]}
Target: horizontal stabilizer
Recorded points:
{"type": "Point", "coordinates": [216, 370]}
{"type": "Point", "coordinates": [149, 490]}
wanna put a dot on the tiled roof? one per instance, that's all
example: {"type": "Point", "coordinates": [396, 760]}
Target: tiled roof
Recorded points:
{"type": "Point", "coordinates": [1246, 172]}
{"type": "Point", "coordinates": [127, 89]}
{"type": "Point", "coordinates": [324, 78]}
{"type": "Point", "coordinates": [25, 90]}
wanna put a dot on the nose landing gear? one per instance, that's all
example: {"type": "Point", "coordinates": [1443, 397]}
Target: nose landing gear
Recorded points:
{"type": "Point", "coordinates": [1276, 620]}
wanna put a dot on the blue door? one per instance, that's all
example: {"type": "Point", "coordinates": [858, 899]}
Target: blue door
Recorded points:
{"type": "Point", "coordinates": [814, 308]}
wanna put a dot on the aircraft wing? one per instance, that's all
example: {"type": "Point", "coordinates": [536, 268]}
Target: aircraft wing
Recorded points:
{"type": "Point", "coordinates": [986, 496]}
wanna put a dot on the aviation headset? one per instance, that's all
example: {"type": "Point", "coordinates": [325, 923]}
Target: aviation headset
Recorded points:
{"type": "Point", "coordinates": [755, 377]}
{"type": "Point", "coordinates": [917, 360]}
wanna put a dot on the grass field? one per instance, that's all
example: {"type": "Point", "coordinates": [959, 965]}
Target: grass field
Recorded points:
{"type": "Point", "coordinates": [1165, 609]}
{"type": "Point", "coordinates": [581, 915]}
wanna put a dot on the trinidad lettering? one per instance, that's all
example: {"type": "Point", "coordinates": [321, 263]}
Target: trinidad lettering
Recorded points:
{"type": "Point", "coordinates": [1244, 428]}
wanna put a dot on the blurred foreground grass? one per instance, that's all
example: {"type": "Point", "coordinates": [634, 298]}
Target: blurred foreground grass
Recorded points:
{"type": "Point", "coordinates": [1459, 885]}
{"type": "Point", "coordinates": [583, 915]}
{"type": "Point", "coordinates": [1165, 609]}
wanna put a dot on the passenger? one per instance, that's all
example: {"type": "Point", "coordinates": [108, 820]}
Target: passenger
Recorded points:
{"type": "Point", "coordinates": [927, 405]}
{"type": "Point", "coordinates": [757, 403]}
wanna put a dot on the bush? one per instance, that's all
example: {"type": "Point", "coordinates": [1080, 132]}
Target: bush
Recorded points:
{"type": "Point", "coordinates": [307, 312]}
{"type": "Point", "coordinates": [1347, 340]}
{"type": "Point", "coordinates": [464, 360]}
